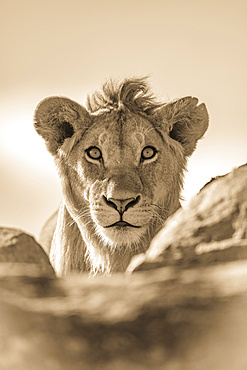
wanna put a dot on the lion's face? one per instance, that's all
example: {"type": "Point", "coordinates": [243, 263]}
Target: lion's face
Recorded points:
{"type": "Point", "coordinates": [124, 171]}
{"type": "Point", "coordinates": [121, 161]}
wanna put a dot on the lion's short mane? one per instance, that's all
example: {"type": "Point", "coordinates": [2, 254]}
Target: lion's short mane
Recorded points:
{"type": "Point", "coordinates": [133, 94]}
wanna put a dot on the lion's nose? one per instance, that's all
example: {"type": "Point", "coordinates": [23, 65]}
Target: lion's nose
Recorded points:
{"type": "Point", "coordinates": [121, 205]}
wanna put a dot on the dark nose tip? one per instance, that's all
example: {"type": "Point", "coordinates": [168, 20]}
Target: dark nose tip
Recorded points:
{"type": "Point", "coordinates": [121, 205]}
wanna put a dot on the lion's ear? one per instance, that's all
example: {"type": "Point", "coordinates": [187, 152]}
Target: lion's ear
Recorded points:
{"type": "Point", "coordinates": [186, 120]}
{"type": "Point", "coordinates": [58, 118]}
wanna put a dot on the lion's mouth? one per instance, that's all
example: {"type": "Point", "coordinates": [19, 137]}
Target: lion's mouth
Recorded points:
{"type": "Point", "coordinates": [122, 224]}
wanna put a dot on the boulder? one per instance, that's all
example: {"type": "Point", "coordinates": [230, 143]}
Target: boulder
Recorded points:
{"type": "Point", "coordinates": [17, 246]}
{"type": "Point", "coordinates": [168, 318]}
{"type": "Point", "coordinates": [211, 228]}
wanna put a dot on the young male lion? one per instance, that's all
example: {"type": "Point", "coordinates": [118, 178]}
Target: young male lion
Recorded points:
{"type": "Point", "coordinates": [121, 164]}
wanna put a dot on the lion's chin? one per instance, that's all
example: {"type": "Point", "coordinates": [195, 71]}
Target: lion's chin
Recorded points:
{"type": "Point", "coordinates": [119, 237]}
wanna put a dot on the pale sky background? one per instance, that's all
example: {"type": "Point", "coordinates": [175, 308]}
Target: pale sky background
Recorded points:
{"type": "Point", "coordinates": [71, 47]}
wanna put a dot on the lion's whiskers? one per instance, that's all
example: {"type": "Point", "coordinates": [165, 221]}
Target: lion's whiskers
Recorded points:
{"type": "Point", "coordinates": [84, 213]}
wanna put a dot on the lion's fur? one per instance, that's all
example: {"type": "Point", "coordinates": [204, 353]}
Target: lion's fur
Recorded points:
{"type": "Point", "coordinates": [121, 120]}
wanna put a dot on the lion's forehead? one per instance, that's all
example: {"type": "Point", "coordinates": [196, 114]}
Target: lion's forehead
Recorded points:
{"type": "Point", "coordinates": [122, 137]}
{"type": "Point", "coordinates": [116, 146]}
{"type": "Point", "coordinates": [125, 137]}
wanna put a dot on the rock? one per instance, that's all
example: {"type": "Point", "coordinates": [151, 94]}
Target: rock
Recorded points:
{"type": "Point", "coordinates": [167, 318]}
{"type": "Point", "coordinates": [17, 246]}
{"type": "Point", "coordinates": [211, 228]}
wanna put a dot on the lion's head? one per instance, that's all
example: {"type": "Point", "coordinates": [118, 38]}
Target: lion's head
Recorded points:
{"type": "Point", "coordinates": [120, 161]}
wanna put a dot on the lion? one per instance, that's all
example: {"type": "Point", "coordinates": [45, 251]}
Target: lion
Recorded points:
{"type": "Point", "coordinates": [121, 163]}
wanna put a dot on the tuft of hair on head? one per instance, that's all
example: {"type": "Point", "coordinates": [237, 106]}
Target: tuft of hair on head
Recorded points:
{"type": "Point", "coordinates": [131, 93]}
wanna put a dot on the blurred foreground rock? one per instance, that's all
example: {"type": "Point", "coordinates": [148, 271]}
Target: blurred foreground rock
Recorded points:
{"type": "Point", "coordinates": [17, 246]}
{"type": "Point", "coordinates": [167, 318]}
{"type": "Point", "coordinates": [211, 228]}
{"type": "Point", "coordinates": [186, 309]}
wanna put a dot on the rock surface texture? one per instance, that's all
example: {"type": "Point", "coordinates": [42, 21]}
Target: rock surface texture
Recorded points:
{"type": "Point", "coordinates": [17, 246]}
{"type": "Point", "coordinates": [185, 309]}
{"type": "Point", "coordinates": [211, 228]}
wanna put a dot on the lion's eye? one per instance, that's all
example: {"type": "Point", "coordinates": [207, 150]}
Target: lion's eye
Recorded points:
{"type": "Point", "coordinates": [148, 152]}
{"type": "Point", "coordinates": [94, 153]}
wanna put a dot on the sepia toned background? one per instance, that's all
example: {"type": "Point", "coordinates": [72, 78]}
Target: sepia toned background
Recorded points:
{"type": "Point", "coordinates": [71, 47]}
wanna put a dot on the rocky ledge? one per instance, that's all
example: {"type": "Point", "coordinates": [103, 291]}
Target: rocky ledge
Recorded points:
{"type": "Point", "coordinates": [182, 305]}
{"type": "Point", "coordinates": [211, 228]}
